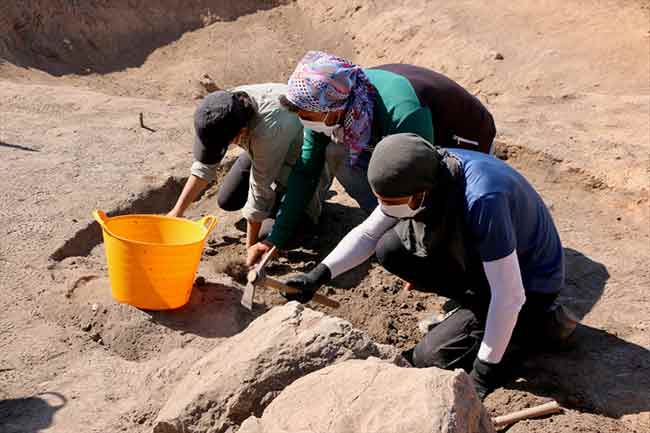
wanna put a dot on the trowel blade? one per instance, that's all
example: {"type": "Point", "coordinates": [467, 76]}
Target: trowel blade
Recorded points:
{"type": "Point", "coordinates": [248, 295]}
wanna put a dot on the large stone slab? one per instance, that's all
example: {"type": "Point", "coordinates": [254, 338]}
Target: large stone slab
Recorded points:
{"type": "Point", "coordinates": [374, 396]}
{"type": "Point", "coordinates": [241, 376]}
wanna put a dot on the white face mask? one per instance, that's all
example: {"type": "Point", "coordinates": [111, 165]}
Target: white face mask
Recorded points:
{"type": "Point", "coordinates": [402, 210]}
{"type": "Point", "coordinates": [319, 127]}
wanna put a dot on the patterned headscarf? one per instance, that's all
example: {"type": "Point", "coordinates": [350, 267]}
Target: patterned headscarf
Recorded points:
{"type": "Point", "coordinates": [322, 83]}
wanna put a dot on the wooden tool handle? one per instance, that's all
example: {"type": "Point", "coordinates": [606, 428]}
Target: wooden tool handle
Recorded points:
{"type": "Point", "coordinates": [531, 412]}
{"type": "Point", "coordinates": [323, 300]}
{"type": "Point", "coordinates": [266, 259]}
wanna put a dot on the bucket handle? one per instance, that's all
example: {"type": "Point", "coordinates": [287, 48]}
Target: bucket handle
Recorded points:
{"type": "Point", "coordinates": [100, 217]}
{"type": "Point", "coordinates": [209, 222]}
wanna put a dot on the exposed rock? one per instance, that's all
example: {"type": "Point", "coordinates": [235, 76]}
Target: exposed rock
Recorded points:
{"type": "Point", "coordinates": [375, 396]}
{"type": "Point", "coordinates": [241, 376]}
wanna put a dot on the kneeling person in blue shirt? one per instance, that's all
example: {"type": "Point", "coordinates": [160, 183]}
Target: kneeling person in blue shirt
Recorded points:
{"type": "Point", "coordinates": [467, 226]}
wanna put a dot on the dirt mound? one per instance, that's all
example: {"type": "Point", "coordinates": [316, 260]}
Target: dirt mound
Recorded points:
{"type": "Point", "coordinates": [62, 37]}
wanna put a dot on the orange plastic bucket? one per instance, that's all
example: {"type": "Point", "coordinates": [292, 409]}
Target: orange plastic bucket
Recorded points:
{"type": "Point", "coordinates": [152, 259]}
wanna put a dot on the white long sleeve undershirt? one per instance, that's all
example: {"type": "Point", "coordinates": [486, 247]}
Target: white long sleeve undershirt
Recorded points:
{"type": "Point", "coordinates": [504, 277]}
{"type": "Point", "coordinates": [359, 245]}
{"type": "Point", "coordinates": [507, 298]}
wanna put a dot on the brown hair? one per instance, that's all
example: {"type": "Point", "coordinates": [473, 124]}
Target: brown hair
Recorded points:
{"type": "Point", "coordinates": [246, 106]}
{"type": "Point", "coordinates": [288, 104]}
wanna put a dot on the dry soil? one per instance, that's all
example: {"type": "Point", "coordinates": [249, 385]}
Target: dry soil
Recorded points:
{"type": "Point", "coordinates": [567, 81]}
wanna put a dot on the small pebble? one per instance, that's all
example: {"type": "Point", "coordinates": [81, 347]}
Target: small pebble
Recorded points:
{"type": "Point", "coordinates": [200, 281]}
{"type": "Point", "coordinates": [94, 307]}
{"type": "Point", "coordinates": [498, 56]}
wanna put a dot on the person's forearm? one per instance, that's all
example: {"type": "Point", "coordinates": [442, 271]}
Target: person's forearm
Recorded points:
{"type": "Point", "coordinates": [252, 232]}
{"type": "Point", "coordinates": [193, 187]}
{"type": "Point", "coordinates": [359, 244]}
{"type": "Point", "coordinates": [508, 296]}
{"type": "Point", "coordinates": [303, 180]}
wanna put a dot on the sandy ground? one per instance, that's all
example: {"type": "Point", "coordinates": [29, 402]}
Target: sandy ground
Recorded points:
{"type": "Point", "coordinates": [571, 99]}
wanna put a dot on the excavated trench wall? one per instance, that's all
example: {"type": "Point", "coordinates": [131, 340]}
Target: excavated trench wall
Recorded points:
{"type": "Point", "coordinates": [85, 36]}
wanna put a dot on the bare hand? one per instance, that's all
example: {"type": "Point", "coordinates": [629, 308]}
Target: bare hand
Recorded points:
{"type": "Point", "coordinates": [254, 254]}
{"type": "Point", "coordinates": [407, 285]}
{"type": "Point", "coordinates": [252, 232]}
{"type": "Point", "coordinates": [174, 213]}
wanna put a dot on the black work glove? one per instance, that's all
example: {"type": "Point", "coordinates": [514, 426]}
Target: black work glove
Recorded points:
{"type": "Point", "coordinates": [486, 377]}
{"type": "Point", "coordinates": [309, 283]}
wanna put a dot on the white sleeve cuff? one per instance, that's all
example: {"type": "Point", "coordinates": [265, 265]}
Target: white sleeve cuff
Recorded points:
{"type": "Point", "coordinates": [206, 172]}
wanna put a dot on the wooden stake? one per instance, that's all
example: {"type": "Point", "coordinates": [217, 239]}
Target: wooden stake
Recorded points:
{"type": "Point", "coordinates": [532, 412]}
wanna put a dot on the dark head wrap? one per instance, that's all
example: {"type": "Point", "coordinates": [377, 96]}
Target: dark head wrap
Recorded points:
{"type": "Point", "coordinates": [402, 165]}
{"type": "Point", "coordinates": [405, 164]}
{"type": "Point", "coordinates": [217, 120]}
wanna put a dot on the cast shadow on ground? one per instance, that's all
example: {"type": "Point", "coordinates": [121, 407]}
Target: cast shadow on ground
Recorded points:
{"type": "Point", "coordinates": [599, 372]}
{"type": "Point", "coordinates": [18, 147]}
{"type": "Point", "coordinates": [213, 311]}
{"type": "Point", "coordinates": [584, 282]}
{"type": "Point", "coordinates": [30, 414]}
{"type": "Point", "coordinates": [96, 37]}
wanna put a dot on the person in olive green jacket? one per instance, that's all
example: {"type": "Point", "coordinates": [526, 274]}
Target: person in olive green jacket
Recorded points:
{"type": "Point", "coordinates": [346, 110]}
{"type": "Point", "coordinates": [251, 118]}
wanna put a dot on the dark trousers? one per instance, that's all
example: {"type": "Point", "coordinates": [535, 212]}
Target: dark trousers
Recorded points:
{"type": "Point", "coordinates": [454, 342]}
{"type": "Point", "coordinates": [233, 194]}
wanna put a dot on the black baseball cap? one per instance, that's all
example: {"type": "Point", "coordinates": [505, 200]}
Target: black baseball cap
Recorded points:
{"type": "Point", "coordinates": [217, 120]}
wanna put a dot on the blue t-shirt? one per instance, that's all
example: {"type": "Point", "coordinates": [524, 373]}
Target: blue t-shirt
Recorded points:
{"type": "Point", "coordinates": [505, 213]}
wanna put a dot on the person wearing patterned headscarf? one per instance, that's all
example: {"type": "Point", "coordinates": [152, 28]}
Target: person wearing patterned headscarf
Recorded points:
{"type": "Point", "coordinates": [346, 109]}
{"type": "Point", "coordinates": [251, 118]}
